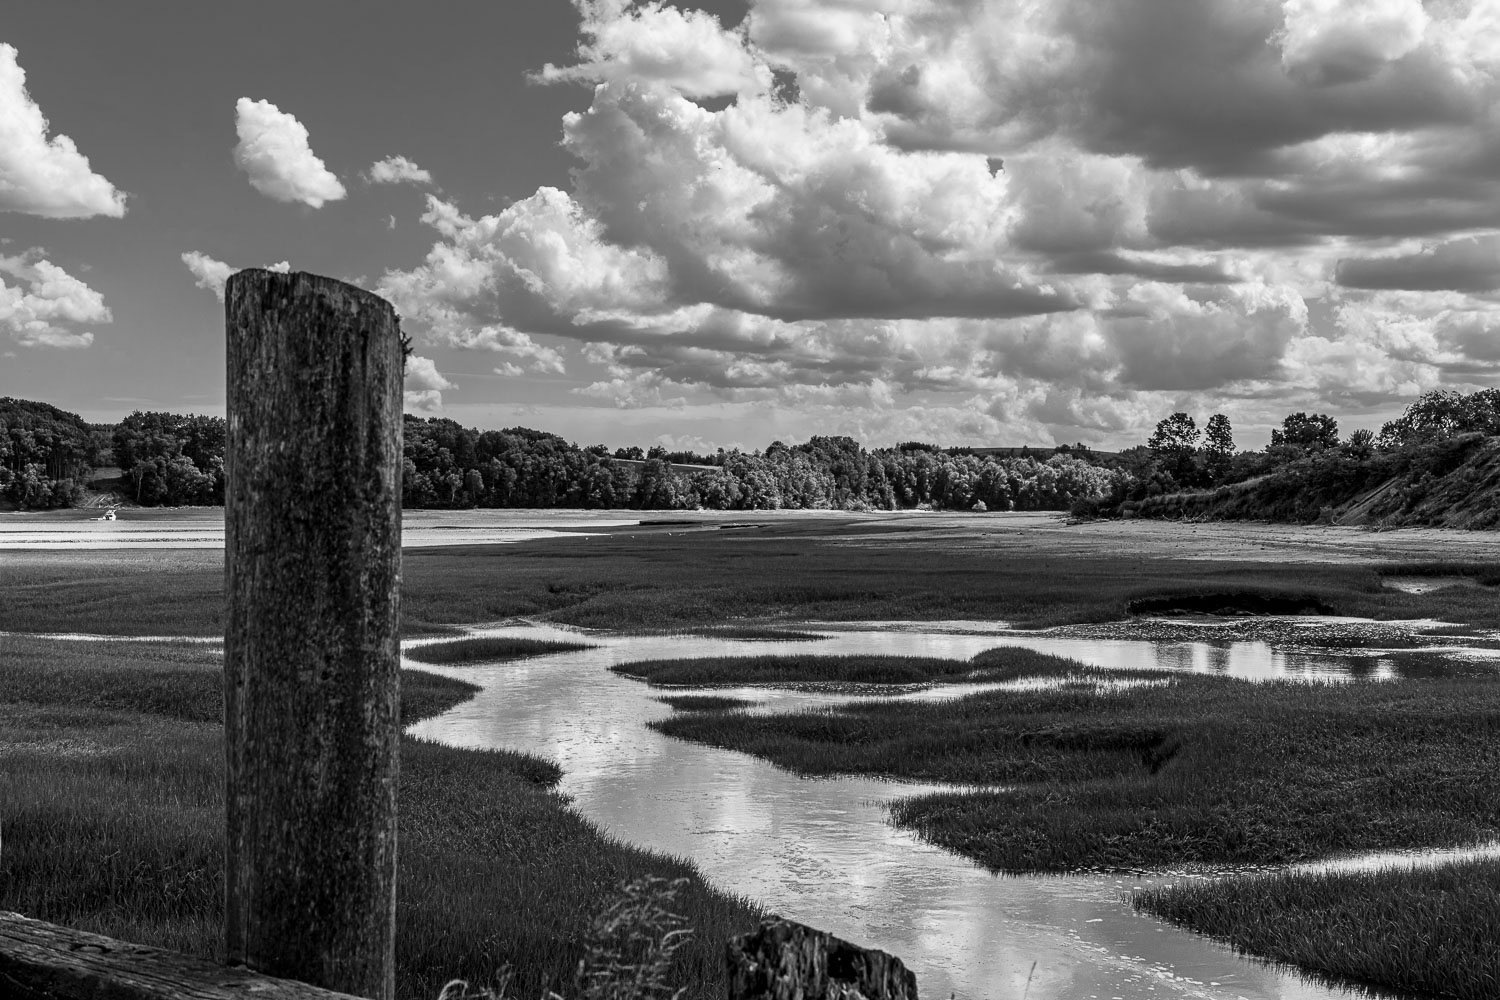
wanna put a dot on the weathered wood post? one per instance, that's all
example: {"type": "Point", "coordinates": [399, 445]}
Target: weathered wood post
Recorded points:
{"type": "Point", "coordinates": [312, 563]}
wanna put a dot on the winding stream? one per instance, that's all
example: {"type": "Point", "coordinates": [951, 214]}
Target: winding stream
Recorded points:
{"type": "Point", "coordinates": [820, 850]}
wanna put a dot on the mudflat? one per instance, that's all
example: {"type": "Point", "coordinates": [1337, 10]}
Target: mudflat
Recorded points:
{"type": "Point", "coordinates": [1052, 532]}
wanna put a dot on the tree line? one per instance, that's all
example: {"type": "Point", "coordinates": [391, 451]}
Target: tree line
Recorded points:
{"type": "Point", "coordinates": [47, 456]}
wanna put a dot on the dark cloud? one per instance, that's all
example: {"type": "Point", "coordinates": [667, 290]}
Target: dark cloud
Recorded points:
{"type": "Point", "coordinates": [1471, 264]}
{"type": "Point", "coordinates": [1105, 262]}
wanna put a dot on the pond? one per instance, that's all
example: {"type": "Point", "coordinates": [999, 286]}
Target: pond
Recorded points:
{"type": "Point", "coordinates": [821, 851]}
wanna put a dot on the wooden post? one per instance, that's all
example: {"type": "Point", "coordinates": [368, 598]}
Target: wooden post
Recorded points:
{"type": "Point", "coordinates": [785, 960]}
{"type": "Point", "coordinates": [312, 562]}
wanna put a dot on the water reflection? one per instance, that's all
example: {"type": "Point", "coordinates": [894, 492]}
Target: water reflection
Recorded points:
{"type": "Point", "coordinates": [820, 850]}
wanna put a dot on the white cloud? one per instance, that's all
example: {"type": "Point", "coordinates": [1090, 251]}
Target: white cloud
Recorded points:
{"type": "Point", "coordinates": [208, 273]}
{"type": "Point", "coordinates": [536, 265]}
{"type": "Point", "coordinates": [397, 170]}
{"type": "Point", "coordinates": [273, 152]}
{"type": "Point", "coordinates": [424, 385]}
{"type": "Point", "coordinates": [211, 274]}
{"type": "Point", "coordinates": [41, 305]}
{"type": "Point", "coordinates": [687, 51]}
{"type": "Point", "coordinates": [1330, 42]}
{"type": "Point", "coordinates": [38, 175]}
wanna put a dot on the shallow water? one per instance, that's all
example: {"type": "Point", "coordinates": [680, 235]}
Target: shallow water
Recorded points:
{"type": "Point", "coordinates": [821, 851]}
{"type": "Point", "coordinates": [1426, 584]}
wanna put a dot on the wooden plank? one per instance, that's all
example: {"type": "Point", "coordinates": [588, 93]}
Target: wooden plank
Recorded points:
{"type": "Point", "coordinates": [42, 961]}
{"type": "Point", "coordinates": [312, 553]}
{"type": "Point", "coordinates": [784, 960]}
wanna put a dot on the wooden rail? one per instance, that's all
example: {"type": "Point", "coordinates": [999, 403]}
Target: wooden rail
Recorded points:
{"type": "Point", "coordinates": [781, 960]}
{"type": "Point", "coordinates": [42, 961]}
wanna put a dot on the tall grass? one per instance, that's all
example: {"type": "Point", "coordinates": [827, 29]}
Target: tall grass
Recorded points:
{"type": "Point", "coordinates": [807, 668]}
{"type": "Point", "coordinates": [703, 702]}
{"type": "Point", "coordinates": [757, 633]}
{"type": "Point", "coordinates": [1429, 930]}
{"type": "Point", "coordinates": [488, 649]}
{"type": "Point", "coordinates": [1002, 664]}
{"type": "Point", "coordinates": [111, 771]}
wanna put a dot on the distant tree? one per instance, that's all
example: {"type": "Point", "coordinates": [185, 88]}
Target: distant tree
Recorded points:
{"type": "Point", "coordinates": [1301, 433]}
{"type": "Point", "coordinates": [1361, 444]}
{"type": "Point", "coordinates": [1443, 413]}
{"type": "Point", "coordinates": [1175, 446]}
{"type": "Point", "coordinates": [1218, 449]}
{"type": "Point", "coordinates": [171, 458]}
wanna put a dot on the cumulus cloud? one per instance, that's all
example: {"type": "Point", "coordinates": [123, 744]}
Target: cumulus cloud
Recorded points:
{"type": "Point", "coordinates": [1064, 219]}
{"type": "Point", "coordinates": [1169, 338]}
{"type": "Point", "coordinates": [424, 385]}
{"type": "Point", "coordinates": [274, 153]}
{"type": "Point", "coordinates": [397, 170]}
{"type": "Point", "coordinates": [211, 274]}
{"type": "Point", "coordinates": [41, 305]}
{"type": "Point", "coordinates": [688, 51]}
{"type": "Point", "coordinates": [44, 176]}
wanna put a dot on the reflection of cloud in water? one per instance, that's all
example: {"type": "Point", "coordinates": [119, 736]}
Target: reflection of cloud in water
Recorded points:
{"type": "Point", "coordinates": [821, 850]}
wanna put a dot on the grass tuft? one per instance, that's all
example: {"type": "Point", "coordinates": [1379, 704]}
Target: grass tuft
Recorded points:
{"type": "Point", "coordinates": [704, 702]}
{"type": "Point", "coordinates": [488, 649]}
{"type": "Point", "coordinates": [807, 668]}
{"type": "Point", "coordinates": [757, 633]}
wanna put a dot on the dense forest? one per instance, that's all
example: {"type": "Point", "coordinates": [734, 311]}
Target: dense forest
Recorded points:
{"type": "Point", "coordinates": [47, 456]}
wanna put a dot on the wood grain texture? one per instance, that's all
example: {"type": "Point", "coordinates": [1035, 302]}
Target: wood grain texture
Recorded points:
{"type": "Point", "coordinates": [784, 960]}
{"type": "Point", "coordinates": [42, 961]}
{"type": "Point", "coordinates": [312, 578]}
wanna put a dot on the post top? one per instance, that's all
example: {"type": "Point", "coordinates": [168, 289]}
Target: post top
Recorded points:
{"type": "Point", "coordinates": [293, 283]}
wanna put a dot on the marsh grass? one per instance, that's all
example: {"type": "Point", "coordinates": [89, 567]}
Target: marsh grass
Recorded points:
{"type": "Point", "coordinates": [704, 702]}
{"type": "Point", "coordinates": [802, 668]}
{"type": "Point", "coordinates": [1012, 663]}
{"type": "Point", "coordinates": [757, 633]}
{"type": "Point", "coordinates": [1007, 663]}
{"type": "Point", "coordinates": [1201, 769]}
{"type": "Point", "coordinates": [488, 649]}
{"type": "Point", "coordinates": [1486, 574]}
{"type": "Point", "coordinates": [1430, 930]}
{"type": "Point", "coordinates": [111, 771]}
{"type": "Point", "coordinates": [759, 577]}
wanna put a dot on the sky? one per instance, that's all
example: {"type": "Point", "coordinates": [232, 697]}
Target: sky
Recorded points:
{"type": "Point", "coordinates": [718, 224]}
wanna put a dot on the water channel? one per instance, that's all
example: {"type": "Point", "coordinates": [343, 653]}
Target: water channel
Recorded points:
{"type": "Point", "coordinates": [820, 850]}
